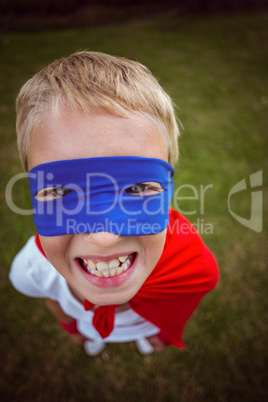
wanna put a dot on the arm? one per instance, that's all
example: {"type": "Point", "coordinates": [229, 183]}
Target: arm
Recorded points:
{"type": "Point", "coordinates": [57, 311]}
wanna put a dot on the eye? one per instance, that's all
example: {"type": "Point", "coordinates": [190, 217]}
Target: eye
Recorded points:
{"type": "Point", "coordinates": [51, 193]}
{"type": "Point", "coordinates": [145, 189]}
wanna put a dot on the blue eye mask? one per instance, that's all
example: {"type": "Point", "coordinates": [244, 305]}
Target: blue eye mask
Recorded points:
{"type": "Point", "coordinates": [125, 195]}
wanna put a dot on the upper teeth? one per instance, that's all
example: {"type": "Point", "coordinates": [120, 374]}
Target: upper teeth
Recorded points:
{"type": "Point", "coordinates": [113, 267]}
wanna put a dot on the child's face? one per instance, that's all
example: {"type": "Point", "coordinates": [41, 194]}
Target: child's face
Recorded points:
{"type": "Point", "coordinates": [74, 135]}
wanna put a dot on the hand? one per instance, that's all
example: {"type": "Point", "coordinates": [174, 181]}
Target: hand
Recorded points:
{"type": "Point", "coordinates": [79, 339]}
{"type": "Point", "coordinates": [156, 343]}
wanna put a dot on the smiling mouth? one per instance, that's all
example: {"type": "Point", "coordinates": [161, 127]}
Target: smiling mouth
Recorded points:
{"type": "Point", "coordinates": [108, 269]}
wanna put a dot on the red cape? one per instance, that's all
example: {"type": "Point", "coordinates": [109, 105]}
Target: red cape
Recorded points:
{"type": "Point", "coordinates": [186, 271]}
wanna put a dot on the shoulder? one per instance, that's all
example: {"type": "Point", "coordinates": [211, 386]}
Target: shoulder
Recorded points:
{"type": "Point", "coordinates": [181, 234]}
{"type": "Point", "coordinates": [31, 273]}
{"type": "Point", "coordinates": [186, 250]}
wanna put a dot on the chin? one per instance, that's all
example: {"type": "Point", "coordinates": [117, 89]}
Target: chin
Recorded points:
{"type": "Point", "coordinates": [107, 299]}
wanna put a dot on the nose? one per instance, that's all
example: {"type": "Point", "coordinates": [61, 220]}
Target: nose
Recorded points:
{"type": "Point", "coordinates": [102, 239]}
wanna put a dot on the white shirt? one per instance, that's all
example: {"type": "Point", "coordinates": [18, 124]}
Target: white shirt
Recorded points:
{"type": "Point", "coordinates": [33, 275]}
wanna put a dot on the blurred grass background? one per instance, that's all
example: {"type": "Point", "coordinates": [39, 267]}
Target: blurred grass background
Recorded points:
{"type": "Point", "coordinates": [215, 68]}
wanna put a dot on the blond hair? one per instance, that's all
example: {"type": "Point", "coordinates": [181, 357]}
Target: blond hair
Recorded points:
{"type": "Point", "coordinates": [95, 81]}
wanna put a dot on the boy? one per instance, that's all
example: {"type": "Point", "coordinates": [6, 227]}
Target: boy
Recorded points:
{"type": "Point", "coordinates": [98, 137]}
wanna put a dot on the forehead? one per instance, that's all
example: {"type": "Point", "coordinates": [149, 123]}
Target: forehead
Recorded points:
{"type": "Point", "coordinates": [76, 134]}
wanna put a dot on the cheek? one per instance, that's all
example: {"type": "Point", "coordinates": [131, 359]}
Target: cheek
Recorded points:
{"type": "Point", "coordinates": [55, 246]}
{"type": "Point", "coordinates": [154, 246]}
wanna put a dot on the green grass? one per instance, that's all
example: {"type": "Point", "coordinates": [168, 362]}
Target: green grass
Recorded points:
{"type": "Point", "coordinates": [215, 68]}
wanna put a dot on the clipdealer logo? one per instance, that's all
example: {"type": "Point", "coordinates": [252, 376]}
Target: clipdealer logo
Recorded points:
{"type": "Point", "coordinates": [255, 221]}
